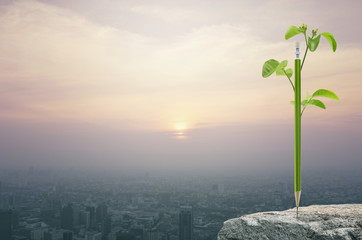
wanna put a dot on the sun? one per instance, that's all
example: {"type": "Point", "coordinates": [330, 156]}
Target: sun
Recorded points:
{"type": "Point", "coordinates": [180, 130]}
{"type": "Point", "coordinates": [179, 126]}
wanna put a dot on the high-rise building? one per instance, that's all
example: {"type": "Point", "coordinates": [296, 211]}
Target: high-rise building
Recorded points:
{"type": "Point", "coordinates": [92, 215]}
{"type": "Point", "coordinates": [97, 236]}
{"type": "Point", "coordinates": [66, 217]}
{"type": "Point", "coordinates": [76, 214]}
{"type": "Point", "coordinates": [101, 212]}
{"type": "Point", "coordinates": [55, 234]}
{"type": "Point", "coordinates": [106, 227]}
{"type": "Point", "coordinates": [67, 235]}
{"type": "Point", "coordinates": [37, 233]}
{"type": "Point", "coordinates": [5, 224]}
{"type": "Point", "coordinates": [186, 223]}
{"type": "Point", "coordinates": [15, 219]}
{"type": "Point", "coordinates": [84, 219]}
{"type": "Point", "coordinates": [150, 234]}
{"type": "Point", "coordinates": [47, 236]}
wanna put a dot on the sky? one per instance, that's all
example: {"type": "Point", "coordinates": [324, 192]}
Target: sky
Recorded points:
{"type": "Point", "coordinates": [174, 85]}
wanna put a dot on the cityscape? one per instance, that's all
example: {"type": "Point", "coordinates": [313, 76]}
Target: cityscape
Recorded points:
{"type": "Point", "coordinates": [69, 204]}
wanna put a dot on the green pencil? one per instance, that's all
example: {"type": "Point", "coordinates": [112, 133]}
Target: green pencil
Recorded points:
{"type": "Point", "coordinates": [273, 66]}
{"type": "Point", "coordinates": [297, 126]}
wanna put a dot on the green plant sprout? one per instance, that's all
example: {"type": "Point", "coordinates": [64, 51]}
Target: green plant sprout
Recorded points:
{"type": "Point", "coordinates": [272, 65]}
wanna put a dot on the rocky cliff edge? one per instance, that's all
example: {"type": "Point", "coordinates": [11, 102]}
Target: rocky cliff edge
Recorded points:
{"type": "Point", "coordinates": [322, 222]}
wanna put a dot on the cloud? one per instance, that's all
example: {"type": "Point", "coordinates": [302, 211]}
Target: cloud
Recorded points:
{"type": "Point", "coordinates": [169, 14]}
{"type": "Point", "coordinates": [56, 63]}
{"type": "Point", "coordinates": [50, 55]}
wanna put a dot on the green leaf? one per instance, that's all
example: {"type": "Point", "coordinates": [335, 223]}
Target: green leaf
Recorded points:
{"type": "Point", "coordinates": [316, 103]}
{"type": "Point", "coordinates": [269, 67]}
{"type": "Point", "coordinates": [308, 97]}
{"type": "Point", "coordinates": [280, 69]}
{"type": "Point", "coordinates": [289, 72]}
{"type": "Point", "coordinates": [325, 93]}
{"type": "Point", "coordinates": [292, 102]}
{"type": "Point", "coordinates": [282, 64]}
{"type": "Point", "coordinates": [292, 31]}
{"type": "Point", "coordinates": [331, 40]}
{"type": "Point", "coordinates": [313, 43]}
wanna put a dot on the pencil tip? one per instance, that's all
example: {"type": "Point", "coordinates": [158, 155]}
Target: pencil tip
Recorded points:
{"type": "Point", "coordinates": [297, 198]}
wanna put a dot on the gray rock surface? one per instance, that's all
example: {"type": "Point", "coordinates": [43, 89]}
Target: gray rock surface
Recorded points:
{"type": "Point", "coordinates": [322, 222]}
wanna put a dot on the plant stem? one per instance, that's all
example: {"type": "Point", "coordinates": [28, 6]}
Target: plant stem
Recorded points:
{"type": "Point", "coordinates": [305, 53]}
{"type": "Point", "coordinates": [303, 110]}
{"type": "Point", "coordinates": [289, 79]}
{"type": "Point", "coordinates": [301, 67]}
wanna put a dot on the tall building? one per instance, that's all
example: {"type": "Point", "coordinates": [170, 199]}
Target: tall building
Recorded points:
{"type": "Point", "coordinates": [66, 217]}
{"type": "Point", "coordinates": [67, 235]}
{"type": "Point", "coordinates": [1, 198]}
{"type": "Point", "coordinates": [15, 219]}
{"type": "Point", "coordinates": [84, 218]}
{"type": "Point", "coordinates": [37, 233]}
{"type": "Point", "coordinates": [106, 227]}
{"type": "Point", "coordinates": [150, 234]}
{"type": "Point", "coordinates": [76, 214]}
{"type": "Point", "coordinates": [92, 215]}
{"type": "Point", "coordinates": [47, 236]}
{"type": "Point", "coordinates": [5, 224]}
{"type": "Point", "coordinates": [101, 212]}
{"type": "Point", "coordinates": [186, 223]}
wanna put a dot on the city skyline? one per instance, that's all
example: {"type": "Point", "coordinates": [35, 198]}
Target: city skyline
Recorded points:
{"type": "Point", "coordinates": [38, 204]}
{"type": "Point", "coordinates": [173, 85]}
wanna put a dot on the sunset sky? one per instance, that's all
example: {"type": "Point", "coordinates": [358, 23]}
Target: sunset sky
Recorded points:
{"type": "Point", "coordinates": [159, 85]}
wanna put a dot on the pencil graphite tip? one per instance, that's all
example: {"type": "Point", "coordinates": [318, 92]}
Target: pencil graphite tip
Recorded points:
{"type": "Point", "coordinates": [297, 198]}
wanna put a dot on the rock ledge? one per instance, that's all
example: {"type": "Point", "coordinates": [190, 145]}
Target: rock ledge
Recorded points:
{"type": "Point", "coordinates": [322, 222]}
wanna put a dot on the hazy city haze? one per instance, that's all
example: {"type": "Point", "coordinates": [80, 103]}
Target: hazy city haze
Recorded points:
{"type": "Point", "coordinates": [160, 85]}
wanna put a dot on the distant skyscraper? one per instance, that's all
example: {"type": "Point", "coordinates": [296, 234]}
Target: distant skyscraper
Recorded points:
{"type": "Point", "coordinates": [186, 223]}
{"type": "Point", "coordinates": [15, 219]}
{"type": "Point", "coordinates": [1, 199]}
{"type": "Point", "coordinates": [92, 215]}
{"type": "Point", "coordinates": [106, 227]}
{"type": "Point", "coordinates": [5, 224]}
{"type": "Point", "coordinates": [151, 234]}
{"type": "Point", "coordinates": [37, 233]}
{"type": "Point", "coordinates": [101, 212]}
{"type": "Point", "coordinates": [67, 235]}
{"type": "Point", "coordinates": [47, 236]}
{"type": "Point", "coordinates": [66, 218]}
{"type": "Point", "coordinates": [76, 214]}
{"type": "Point", "coordinates": [84, 217]}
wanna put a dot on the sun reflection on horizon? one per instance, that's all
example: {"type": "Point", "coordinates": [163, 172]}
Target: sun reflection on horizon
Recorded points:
{"type": "Point", "coordinates": [180, 130]}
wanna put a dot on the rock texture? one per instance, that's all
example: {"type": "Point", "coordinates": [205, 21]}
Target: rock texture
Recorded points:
{"type": "Point", "coordinates": [322, 222]}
